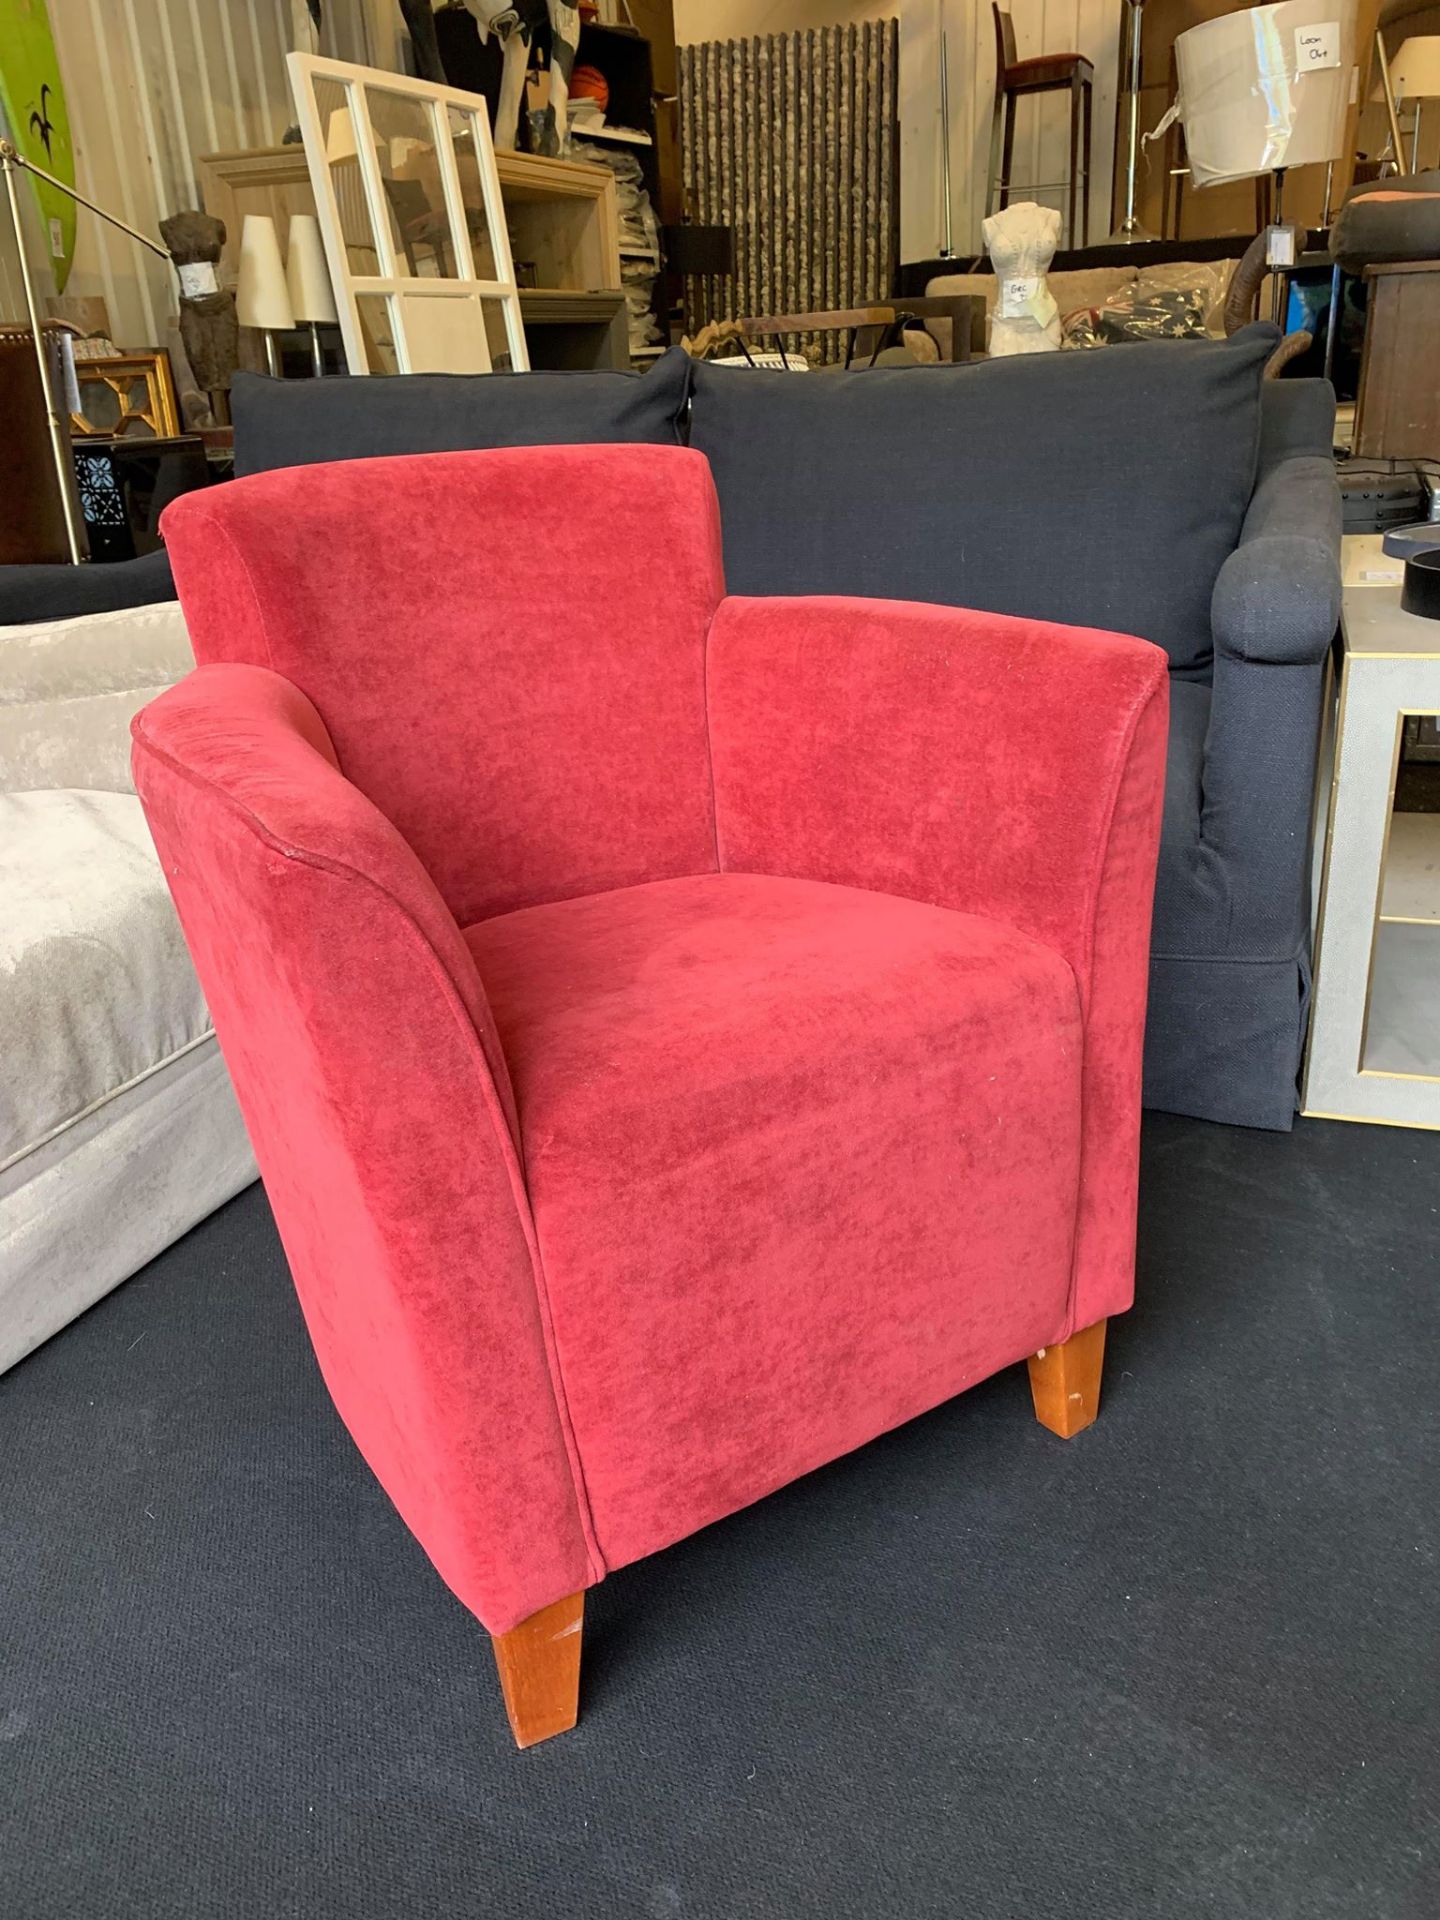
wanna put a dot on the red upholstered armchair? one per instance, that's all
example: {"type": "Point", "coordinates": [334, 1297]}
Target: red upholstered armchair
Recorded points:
{"type": "Point", "coordinates": [682, 1037]}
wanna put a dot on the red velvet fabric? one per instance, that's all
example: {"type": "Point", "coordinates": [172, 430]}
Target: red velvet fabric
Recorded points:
{"type": "Point", "coordinates": [509, 652]}
{"type": "Point", "coordinates": [796, 1086]}
{"type": "Point", "coordinates": [778, 1136]}
{"type": "Point", "coordinates": [356, 1030]}
{"type": "Point", "coordinates": [1010, 768]}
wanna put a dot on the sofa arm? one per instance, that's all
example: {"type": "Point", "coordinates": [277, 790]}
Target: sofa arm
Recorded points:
{"type": "Point", "coordinates": [369, 1073]}
{"type": "Point", "coordinates": [1277, 597]}
{"type": "Point", "coordinates": [1275, 611]}
{"type": "Point", "coordinates": [1008, 768]}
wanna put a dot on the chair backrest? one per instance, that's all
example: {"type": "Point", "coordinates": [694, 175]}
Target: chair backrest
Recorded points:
{"type": "Point", "coordinates": [507, 649]}
{"type": "Point", "coordinates": [1004, 45]}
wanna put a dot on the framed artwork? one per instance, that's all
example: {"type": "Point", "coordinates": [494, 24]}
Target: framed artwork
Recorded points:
{"type": "Point", "coordinates": [126, 393]}
{"type": "Point", "coordinates": [409, 204]}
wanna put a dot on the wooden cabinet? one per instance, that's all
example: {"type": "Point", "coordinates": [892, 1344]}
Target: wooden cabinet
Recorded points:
{"type": "Point", "coordinates": [1398, 410]}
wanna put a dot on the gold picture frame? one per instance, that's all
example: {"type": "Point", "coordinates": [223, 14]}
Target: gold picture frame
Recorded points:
{"type": "Point", "coordinates": [141, 402]}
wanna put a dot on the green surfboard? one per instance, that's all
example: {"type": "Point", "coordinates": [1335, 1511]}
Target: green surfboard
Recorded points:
{"type": "Point", "coordinates": [38, 123]}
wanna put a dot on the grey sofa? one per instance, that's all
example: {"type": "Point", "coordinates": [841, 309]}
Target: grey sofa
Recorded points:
{"type": "Point", "coordinates": [1159, 488]}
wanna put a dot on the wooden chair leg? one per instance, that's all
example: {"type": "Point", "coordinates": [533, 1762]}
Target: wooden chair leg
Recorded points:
{"type": "Point", "coordinates": [1007, 149]}
{"type": "Point", "coordinates": [992, 183]}
{"type": "Point", "coordinates": [539, 1663]}
{"type": "Point", "coordinates": [1065, 1381]}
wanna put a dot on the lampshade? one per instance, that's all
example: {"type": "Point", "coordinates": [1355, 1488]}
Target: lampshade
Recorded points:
{"type": "Point", "coordinates": [1266, 88]}
{"type": "Point", "coordinates": [1415, 69]}
{"type": "Point", "coordinates": [339, 135]}
{"type": "Point", "coordinates": [306, 274]}
{"type": "Point", "coordinates": [261, 298]}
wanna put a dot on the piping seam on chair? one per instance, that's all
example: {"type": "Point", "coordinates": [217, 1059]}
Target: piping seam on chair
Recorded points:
{"type": "Point", "coordinates": [221, 532]}
{"type": "Point", "coordinates": [489, 1100]}
{"type": "Point", "coordinates": [1097, 875]}
{"type": "Point", "coordinates": [709, 736]}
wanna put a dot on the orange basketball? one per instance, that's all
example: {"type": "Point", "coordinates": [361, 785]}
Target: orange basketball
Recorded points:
{"type": "Point", "coordinates": [588, 83]}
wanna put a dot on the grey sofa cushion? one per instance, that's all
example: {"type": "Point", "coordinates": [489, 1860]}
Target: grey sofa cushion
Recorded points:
{"type": "Point", "coordinates": [294, 423]}
{"type": "Point", "coordinates": [1103, 489]}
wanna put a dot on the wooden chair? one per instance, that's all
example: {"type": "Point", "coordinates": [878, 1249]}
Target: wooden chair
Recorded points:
{"type": "Point", "coordinates": [960, 334]}
{"type": "Point", "coordinates": [1047, 73]}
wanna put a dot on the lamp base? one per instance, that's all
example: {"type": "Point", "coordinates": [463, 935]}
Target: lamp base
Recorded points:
{"type": "Point", "coordinates": [1129, 233]}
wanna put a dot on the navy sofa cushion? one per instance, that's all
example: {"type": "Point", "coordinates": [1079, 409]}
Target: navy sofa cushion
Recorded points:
{"type": "Point", "coordinates": [294, 423]}
{"type": "Point", "coordinates": [1103, 489]}
{"type": "Point", "coordinates": [60, 592]}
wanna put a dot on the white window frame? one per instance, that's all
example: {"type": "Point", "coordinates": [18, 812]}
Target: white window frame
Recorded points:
{"type": "Point", "coordinates": [400, 289]}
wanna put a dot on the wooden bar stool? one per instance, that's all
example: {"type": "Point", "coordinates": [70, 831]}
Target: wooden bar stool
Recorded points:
{"type": "Point", "coordinates": [1048, 73]}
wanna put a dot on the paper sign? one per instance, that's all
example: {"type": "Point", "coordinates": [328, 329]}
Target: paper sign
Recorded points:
{"type": "Point", "coordinates": [1016, 295]}
{"type": "Point", "coordinates": [1280, 246]}
{"type": "Point", "coordinates": [1317, 47]}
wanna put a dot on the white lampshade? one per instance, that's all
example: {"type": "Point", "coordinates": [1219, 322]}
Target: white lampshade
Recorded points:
{"type": "Point", "coordinates": [306, 274]}
{"type": "Point", "coordinates": [339, 135]}
{"type": "Point", "coordinates": [1415, 69]}
{"type": "Point", "coordinates": [261, 298]}
{"type": "Point", "coordinates": [1248, 103]}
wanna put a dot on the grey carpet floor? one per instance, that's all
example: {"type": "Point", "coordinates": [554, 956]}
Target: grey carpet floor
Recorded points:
{"type": "Point", "coordinates": [1185, 1666]}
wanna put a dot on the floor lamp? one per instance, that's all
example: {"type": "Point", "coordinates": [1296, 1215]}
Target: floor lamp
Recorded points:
{"type": "Point", "coordinates": [1130, 228]}
{"type": "Point", "coordinates": [11, 162]}
{"type": "Point", "coordinates": [1265, 95]}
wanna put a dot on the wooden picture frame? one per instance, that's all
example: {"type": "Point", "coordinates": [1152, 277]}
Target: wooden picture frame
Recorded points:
{"type": "Point", "coordinates": [144, 395]}
{"type": "Point", "coordinates": [410, 211]}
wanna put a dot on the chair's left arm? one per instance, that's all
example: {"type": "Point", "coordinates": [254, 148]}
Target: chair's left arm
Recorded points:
{"type": "Point", "coordinates": [1008, 768]}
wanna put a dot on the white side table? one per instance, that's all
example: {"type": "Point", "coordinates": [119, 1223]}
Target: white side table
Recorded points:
{"type": "Point", "coordinates": [1374, 1047]}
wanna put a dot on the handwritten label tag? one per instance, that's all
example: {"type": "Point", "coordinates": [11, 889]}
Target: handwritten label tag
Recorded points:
{"type": "Point", "coordinates": [1317, 47]}
{"type": "Point", "coordinates": [1016, 295]}
{"type": "Point", "coordinates": [57, 240]}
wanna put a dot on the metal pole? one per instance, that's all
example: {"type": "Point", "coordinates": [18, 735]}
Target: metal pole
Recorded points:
{"type": "Point", "coordinates": [59, 440]}
{"type": "Point", "coordinates": [1134, 116]}
{"type": "Point", "coordinates": [1415, 142]}
{"type": "Point", "coordinates": [1389, 91]}
{"type": "Point", "coordinates": [947, 242]}
{"type": "Point", "coordinates": [317, 352]}
{"type": "Point", "coordinates": [18, 159]}
{"type": "Point", "coordinates": [1130, 227]}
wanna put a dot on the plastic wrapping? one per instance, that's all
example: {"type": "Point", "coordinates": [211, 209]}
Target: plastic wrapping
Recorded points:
{"type": "Point", "coordinates": [1266, 88]}
{"type": "Point", "coordinates": [1020, 240]}
{"type": "Point", "coordinates": [1182, 302]}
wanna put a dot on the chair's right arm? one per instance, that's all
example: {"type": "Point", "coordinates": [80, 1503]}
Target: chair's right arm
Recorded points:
{"type": "Point", "coordinates": [371, 1080]}
{"type": "Point", "coordinates": [1008, 768]}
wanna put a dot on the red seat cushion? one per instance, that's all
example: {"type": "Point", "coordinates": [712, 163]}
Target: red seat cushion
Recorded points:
{"type": "Point", "coordinates": [778, 1137]}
